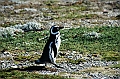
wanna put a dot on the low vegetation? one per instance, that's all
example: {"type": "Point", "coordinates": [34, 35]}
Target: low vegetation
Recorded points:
{"type": "Point", "coordinates": [78, 61]}
{"type": "Point", "coordinates": [116, 66]}
{"type": "Point", "coordinates": [107, 44]}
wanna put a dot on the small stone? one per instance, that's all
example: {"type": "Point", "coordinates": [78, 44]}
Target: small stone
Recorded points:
{"type": "Point", "coordinates": [14, 66]}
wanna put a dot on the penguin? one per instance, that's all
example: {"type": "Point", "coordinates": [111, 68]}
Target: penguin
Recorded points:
{"type": "Point", "coordinates": [51, 48]}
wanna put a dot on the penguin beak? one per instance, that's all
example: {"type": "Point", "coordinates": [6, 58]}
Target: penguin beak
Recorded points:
{"type": "Point", "coordinates": [61, 28]}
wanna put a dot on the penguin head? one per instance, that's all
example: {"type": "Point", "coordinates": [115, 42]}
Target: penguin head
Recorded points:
{"type": "Point", "coordinates": [55, 29]}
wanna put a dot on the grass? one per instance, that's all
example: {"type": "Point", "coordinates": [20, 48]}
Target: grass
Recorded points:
{"type": "Point", "coordinates": [116, 66]}
{"type": "Point", "coordinates": [55, 11]}
{"type": "Point", "coordinates": [68, 12]}
{"type": "Point", "coordinates": [24, 41]}
{"type": "Point", "coordinates": [109, 41]}
{"type": "Point", "coordinates": [76, 61]}
{"type": "Point", "coordinates": [111, 56]}
{"type": "Point", "coordinates": [101, 70]}
{"type": "Point", "coordinates": [7, 24]}
{"type": "Point", "coordinates": [26, 75]}
{"type": "Point", "coordinates": [76, 16]}
{"type": "Point", "coordinates": [107, 45]}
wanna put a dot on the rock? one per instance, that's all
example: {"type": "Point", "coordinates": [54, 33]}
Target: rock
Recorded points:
{"type": "Point", "coordinates": [3, 64]}
{"type": "Point", "coordinates": [14, 66]}
{"type": "Point", "coordinates": [70, 57]}
{"type": "Point", "coordinates": [48, 73]}
{"type": "Point", "coordinates": [30, 9]}
{"type": "Point", "coordinates": [8, 7]}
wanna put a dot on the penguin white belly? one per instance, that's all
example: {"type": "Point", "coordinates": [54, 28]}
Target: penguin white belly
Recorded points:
{"type": "Point", "coordinates": [58, 42]}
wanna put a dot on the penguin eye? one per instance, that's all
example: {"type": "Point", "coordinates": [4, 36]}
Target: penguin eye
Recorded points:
{"type": "Point", "coordinates": [57, 28]}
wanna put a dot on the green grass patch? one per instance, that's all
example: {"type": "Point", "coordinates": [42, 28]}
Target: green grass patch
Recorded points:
{"type": "Point", "coordinates": [107, 45]}
{"type": "Point", "coordinates": [111, 56]}
{"type": "Point", "coordinates": [116, 66]}
{"type": "Point", "coordinates": [7, 24]}
{"type": "Point", "coordinates": [76, 61]}
{"type": "Point", "coordinates": [28, 41]}
{"type": "Point", "coordinates": [109, 40]}
{"type": "Point", "coordinates": [62, 12]}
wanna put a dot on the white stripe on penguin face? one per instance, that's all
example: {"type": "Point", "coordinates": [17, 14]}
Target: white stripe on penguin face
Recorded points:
{"type": "Point", "coordinates": [53, 32]}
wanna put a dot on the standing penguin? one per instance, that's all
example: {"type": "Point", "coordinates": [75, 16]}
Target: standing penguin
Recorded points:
{"type": "Point", "coordinates": [51, 48]}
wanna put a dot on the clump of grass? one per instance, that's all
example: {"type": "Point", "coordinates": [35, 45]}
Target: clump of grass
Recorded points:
{"type": "Point", "coordinates": [74, 15]}
{"type": "Point", "coordinates": [111, 56]}
{"type": "Point", "coordinates": [116, 66]}
{"type": "Point", "coordinates": [76, 61]}
{"type": "Point", "coordinates": [31, 57]}
{"type": "Point", "coordinates": [7, 24]}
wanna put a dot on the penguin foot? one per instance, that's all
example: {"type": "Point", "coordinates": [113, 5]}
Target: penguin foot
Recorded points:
{"type": "Point", "coordinates": [58, 66]}
{"type": "Point", "coordinates": [38, 62]}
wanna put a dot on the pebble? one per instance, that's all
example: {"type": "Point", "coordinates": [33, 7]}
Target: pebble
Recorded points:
{"type": "Point", "coordinates": [14, 66]}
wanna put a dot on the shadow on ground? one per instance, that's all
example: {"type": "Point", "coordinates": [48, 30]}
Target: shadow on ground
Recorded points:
{"type": "Point", "coordinates": [30, 68]}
